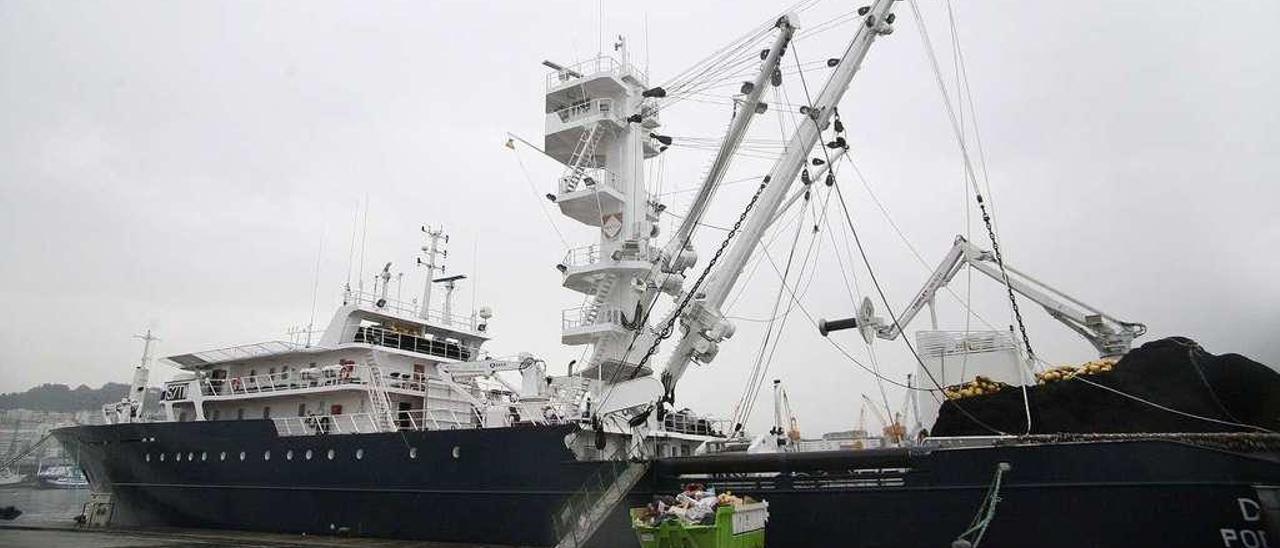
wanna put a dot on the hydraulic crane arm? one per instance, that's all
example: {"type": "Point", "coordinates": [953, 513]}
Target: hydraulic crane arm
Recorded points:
{"type": "Point", "coordinates": [532, 371]}
{"type": "Point", "coordinates": [1110, 336]}
{"type": "Point", "coordinates": [750, 106]}
{"type": "Point", "coordinates": [484, 368]}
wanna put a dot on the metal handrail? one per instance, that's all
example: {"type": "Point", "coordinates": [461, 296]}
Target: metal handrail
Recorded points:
{"type": "Point", "coordinates": [593, 177]}
{"type": "Point", "coordinates": [582, 256]}
{"type": "Point", "coordinates": [573, 318]}
{"type": "Point", "coordinates": [410, 309]}
{"type": "Point", "coordinates": [327, 376]}
{"type": "Point", "coordinates": [697, 425]}
{"type": "Point", "coordinates": [590, 107]}
{"type": "Point", "coordinates": [566, 518]}
{"type": "Point", "coordinates": [590, 67]}
{"type": "Point", "coordinates": [366, 423]}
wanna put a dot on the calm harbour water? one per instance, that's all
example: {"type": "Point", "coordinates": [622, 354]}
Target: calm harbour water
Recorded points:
{"type": "Point", "coordinates": [44, 506]}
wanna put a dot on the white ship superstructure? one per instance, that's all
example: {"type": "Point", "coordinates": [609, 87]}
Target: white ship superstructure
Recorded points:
{"type": "Point", "coordinates": [384, 365]}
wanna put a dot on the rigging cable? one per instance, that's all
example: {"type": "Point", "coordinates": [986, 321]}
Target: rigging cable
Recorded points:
{"type": "Point", "coordinates": [831, 177]}
{"type": "Point", "coordinates": [876, 282]}
{"type": "Point", "coordinates": [533, 188]}
{"type": "Point", "coordinates": [743, 408]}
{"type": "Point", "coordinates": [969, 172]}
{"type": "Point", "coordinates": [751, 398]}
{"type": "Point", "coordinates": [982, 206]}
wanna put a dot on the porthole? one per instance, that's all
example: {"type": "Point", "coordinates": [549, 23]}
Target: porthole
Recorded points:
{"type": "Point", "coordinates": [191, 457]}
{"type": "Point", "coordinates": [457, 451]}
{"type": "Point", "coordinates": [161, 457]}
{"type": "Point", "coordinates": [148, 457]}
{"type": "Point", "coordinates": [266, 455]}
{"type": "Point", "coordinates": [308, 455]}
{"type": "Point", "coordinates": [222, 455]}
{"type": "Point", "coordinates": [330, 454]}
{"type": "Point", "coordinates": [204, 456]}
{"type": "Point", "coordinates": [359, 454]}
{"type": "Point", "coordinates": [288, 455]}
{"type": "Point", "coordinates": [177, 457]}
{"type": "Point", "coordinates": [242, 455]}
{"type": "Point", "coordinates": [413, 452]}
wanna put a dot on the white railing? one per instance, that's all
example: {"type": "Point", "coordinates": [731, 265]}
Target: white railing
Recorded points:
{"type": "Point", "coordinates": [574, 318]}
{"type": "Point", "coordinates": [313, 425]}
{"type": "Point", "coordinates": [366, 423]}
{"type": "Point", "coordinates": [582, 256]}
{"type": "Point", "coordinates": [591, 67]}
{"type": "Point", "coordinates": [593, 107]}
{"type": "Point", "coordinates": [327, 376]}
{"type": "Point", "coordinates": [590, 254]}
{"type": "Point", "coordinates": [410, 309]}
{"type": "Point", "coordinates": [592, 177]}
{"type": "Point", "coordinates": [686, 423]}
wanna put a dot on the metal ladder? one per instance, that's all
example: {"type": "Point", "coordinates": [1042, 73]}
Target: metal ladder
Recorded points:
{"type": "Point", "coordinates": [587, 509]}
{"type": "Point", "coordinates": [600, 297]}
{"type": "Point", "coordinates": [381, 404]}
{"type": "Point", "coordinates": [583, 155]}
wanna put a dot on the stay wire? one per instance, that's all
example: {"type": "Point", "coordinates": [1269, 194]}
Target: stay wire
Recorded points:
{"type": "Point", "coordinates": [986, 217]}
{"type": "Point", "coordinates": [805, 262]}
{"type": "Point", "coordinates": [533, 188]}
{"type": "Point", "coordinates": [876, 282]}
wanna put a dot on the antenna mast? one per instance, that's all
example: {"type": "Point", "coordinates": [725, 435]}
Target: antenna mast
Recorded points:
{"type": "Point", "coordinates": [432, 249]}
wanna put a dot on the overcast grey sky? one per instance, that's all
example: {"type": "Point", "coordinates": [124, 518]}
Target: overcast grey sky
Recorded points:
{"type": "Point", "coordinates": [179, 165]}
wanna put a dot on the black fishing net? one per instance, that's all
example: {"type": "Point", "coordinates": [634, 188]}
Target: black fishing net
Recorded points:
{"type": "Point", "coordinates": [1175, 373]}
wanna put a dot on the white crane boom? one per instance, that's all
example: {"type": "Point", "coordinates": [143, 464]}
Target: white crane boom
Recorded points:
{"type": "Point", "coordinates": [746, 111]}
{"type": "Point", "coordinates": [1110, 336]}
{"type": "Point", "coordinates": [703, 325]}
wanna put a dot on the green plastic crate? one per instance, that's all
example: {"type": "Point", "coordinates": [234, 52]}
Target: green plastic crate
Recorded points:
{"type": "Point", "coordinates": [747, 520]}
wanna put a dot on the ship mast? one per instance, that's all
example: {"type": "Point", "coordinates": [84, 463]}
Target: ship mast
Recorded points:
{"type": "Point", "coordinates": [702, 321]}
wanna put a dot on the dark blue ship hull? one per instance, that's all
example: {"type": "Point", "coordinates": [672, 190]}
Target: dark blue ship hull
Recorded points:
{"type": "Point", "coordinates": [502, 485]}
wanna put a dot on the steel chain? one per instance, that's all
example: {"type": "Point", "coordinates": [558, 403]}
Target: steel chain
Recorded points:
{"type": "Point", "coordinates": [675, 315]}
{"type": "Point", "coordinates": [1013, 301]}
